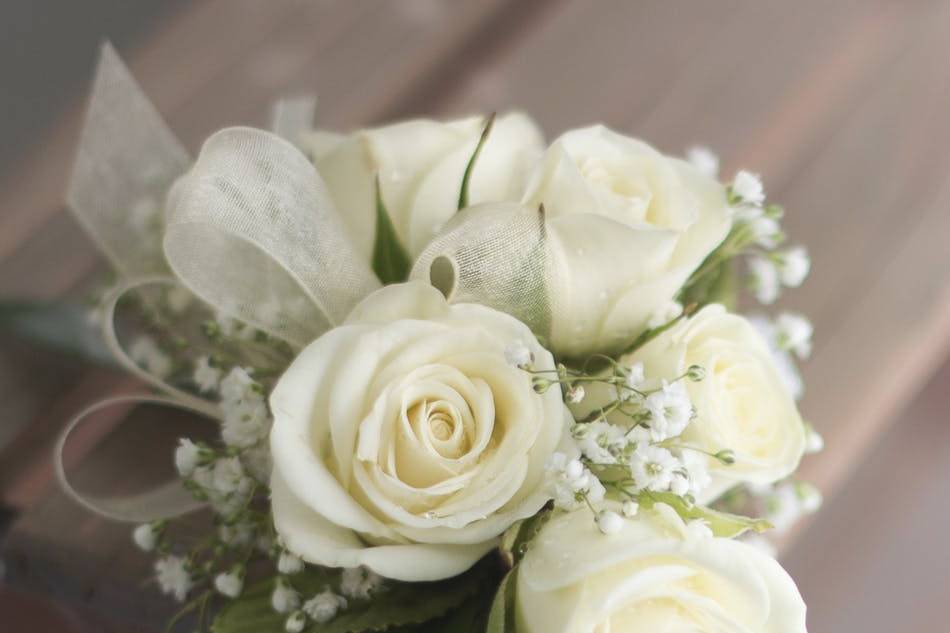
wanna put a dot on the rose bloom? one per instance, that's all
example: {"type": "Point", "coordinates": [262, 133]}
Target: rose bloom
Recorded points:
{"type": "Point", "coordinates": [655, 574]}
{"type": "Point", "coordinates": [742, 404]}
{"type": "Point", "coordinates": [404, 441]}
{"type": "Point", "coordinates": [420, 164]}
{"type": "Point", "coordinates": [627, 227]}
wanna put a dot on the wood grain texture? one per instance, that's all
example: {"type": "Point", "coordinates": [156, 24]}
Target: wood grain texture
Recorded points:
{"type": "Point", "coordinates": [876, 559]}
{"type": "Point", "coordinates": [836, 104]}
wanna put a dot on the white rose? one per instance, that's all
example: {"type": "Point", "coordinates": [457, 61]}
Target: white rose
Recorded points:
{"type": "Point", "coordinates": [741, 404]}
{"type": "Point", "coordinates": [653, 574]}
{"type": "Point", "coordinates": [403, 440]}
{"type": "Point", "coordinates": [627, 226]}
{"type": "Point", "coordinates": [420, 165]}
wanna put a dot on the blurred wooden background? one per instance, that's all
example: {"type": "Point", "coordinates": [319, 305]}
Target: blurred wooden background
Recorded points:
{"type": "Point", "coordinates": [843, 107]}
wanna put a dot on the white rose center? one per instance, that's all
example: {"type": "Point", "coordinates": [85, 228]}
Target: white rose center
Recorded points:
{"type": "Point", "coordinates": [433, 428]}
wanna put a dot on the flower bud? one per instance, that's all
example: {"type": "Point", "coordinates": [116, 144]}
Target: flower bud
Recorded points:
{"type": "Point", "coordinates": [630, 508]}
{"type": "Point", "coordinates": [609, 522]}
{"type": "Point", "coordinates": [575, 394]}
{"type": "Point", "coordinates": [295, 622]}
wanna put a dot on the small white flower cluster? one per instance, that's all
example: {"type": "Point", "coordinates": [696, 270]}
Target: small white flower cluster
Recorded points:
{"type": "Point", "coordinates": [227, 477]}
{"type": "Point", "coordinates": [289, 564]}
{"type": "Point", "coordinates": [789, 334]}
{"type": "Point", "coordinates": [769, 269]}
{"type": "Point", "coordinates": [638, 457]}
{"type": "Point", "coordinates": [703, 159]}
{"type": "Point", "coordinates": [324, 606]}
{"type": "Point", "coordinates": [356, 583]}
{"type": "Point", "coordinates": [770, 272]}
{"type": "Point", "coordinates": [359, 583]}
{"type": "Point", "coordinates": [789, 501]}
{"type": "Point", "coordinates": [246, 419]}
{"type": "Point", "coordinates": [206, 376]}
{"type": "Point", "coordinates": [221, 479]}
{"type": "Point", "coordinates": [230, 327]}
{"type": "Point", "coordinates": [174, 576]}
{"type": "Point", "coordinates": [146, 536]}
{"type": "Point", "coordinates": [517, 354]}
{"type": "Point", "coordinates": [570, 482]}
{"type": "Point", "coordinates": [230, 584]}
{"type": "Point", "coordinates": [225, 484]}
{"type": "Point", "coordinates": [284, 598]}
{"type": "Point", "coordinates": [146, 353]}
{"type": "Point", "coordinates": [793, 333]}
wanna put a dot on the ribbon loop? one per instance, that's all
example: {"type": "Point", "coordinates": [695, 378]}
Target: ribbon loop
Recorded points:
{"type": "Point", "coordinates": [127, 160]}
{"type": "Point", "coordinates": [251, 229]}
{"type": "Point", "coordinates": [496, 255]}
{"type": "Point", "coordinates": [163, 501]}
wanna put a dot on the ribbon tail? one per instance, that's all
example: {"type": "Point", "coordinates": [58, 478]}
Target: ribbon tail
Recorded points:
{"type": "Point", "coordinates": [163, 501]}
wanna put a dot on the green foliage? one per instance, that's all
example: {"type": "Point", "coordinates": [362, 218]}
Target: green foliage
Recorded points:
{"type": "Point", "coordinates": [62, 327]}
{"type": "Point", "coordinates": [718, 284]}
{"type": "Point", "coordinates": [400, 607]}
{"type": "Point", "coordinates": [467, 176]}
{"type": "Point", "coordinates": [501, 618]}
{"type": "Point", "coordinates": [390, 260]}
{"type": "Point", "coordinates": [722, 524]}
{"type": "Point", "coordinates": [518, 537]}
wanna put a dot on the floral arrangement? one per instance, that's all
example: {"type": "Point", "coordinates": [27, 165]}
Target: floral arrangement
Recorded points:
{"type": "Point", "coordinates": [456, 379]}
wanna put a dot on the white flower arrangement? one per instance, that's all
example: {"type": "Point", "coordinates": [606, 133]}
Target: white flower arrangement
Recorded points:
{"type": "Point", "coordinates": [461, 377]}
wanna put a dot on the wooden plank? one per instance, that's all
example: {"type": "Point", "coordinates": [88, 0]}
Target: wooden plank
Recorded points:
{"type": "Point", "coordinates": [881, 548]}
{"type": "Point", "coordinates": [871, 204]}
{"type": "Point", "coordinates": [72, 555]}
{"type": "Point", "coordinates": [804, 96]}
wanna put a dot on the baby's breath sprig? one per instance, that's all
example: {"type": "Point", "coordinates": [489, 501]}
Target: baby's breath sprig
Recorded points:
{"type": "Point", "coordinates": [630, 445]}
{"type": "Point", "coordinates": [756, 234]}
{"type": "Point", "coordinates": [231, 477]}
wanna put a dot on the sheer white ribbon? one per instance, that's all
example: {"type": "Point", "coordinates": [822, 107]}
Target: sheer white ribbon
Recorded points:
{"type": "Point", "coordinates": [248, 227]}
{"type": "Point", "coordinates": [163, 501]}
{"type": "Point", "coordinates": [498, 255]}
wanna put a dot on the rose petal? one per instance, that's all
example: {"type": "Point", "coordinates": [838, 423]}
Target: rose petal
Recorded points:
{"type": "Point", "coordinates": [320, 542]}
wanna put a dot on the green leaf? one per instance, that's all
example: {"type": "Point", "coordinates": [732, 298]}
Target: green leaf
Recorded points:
{"type": "Point", "coordinates": [390, 260]}
{"type": "Point", "coordinates": [469, 617]}
{"type": "Point", "coordinates": [719, 285]}
{"type": "Point", "coordinates": [648, 335]}
{"type": "Point", "coordinates": [399, 607]}
{"type": "Point", "coordinates": [63, 327]}
{"type": "Point", "coordinates": [725, 288]}
{"type": "Point", "coordinates": [467, 176]}
{"type": "Point", "coordinates": [722, 524]}
{"type": "Point", "coordinates": [518, 537]}
{"type": "Point", "coordinates": [501, 618]}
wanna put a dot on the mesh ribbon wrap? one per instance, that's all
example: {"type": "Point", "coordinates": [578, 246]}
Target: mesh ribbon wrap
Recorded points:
{"type": "Point", "coordinates": [251, 230]}
{"type": "Point", "coordinates": [127, 160]}
{"type": "Point", "coordinates": [496, 255]}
